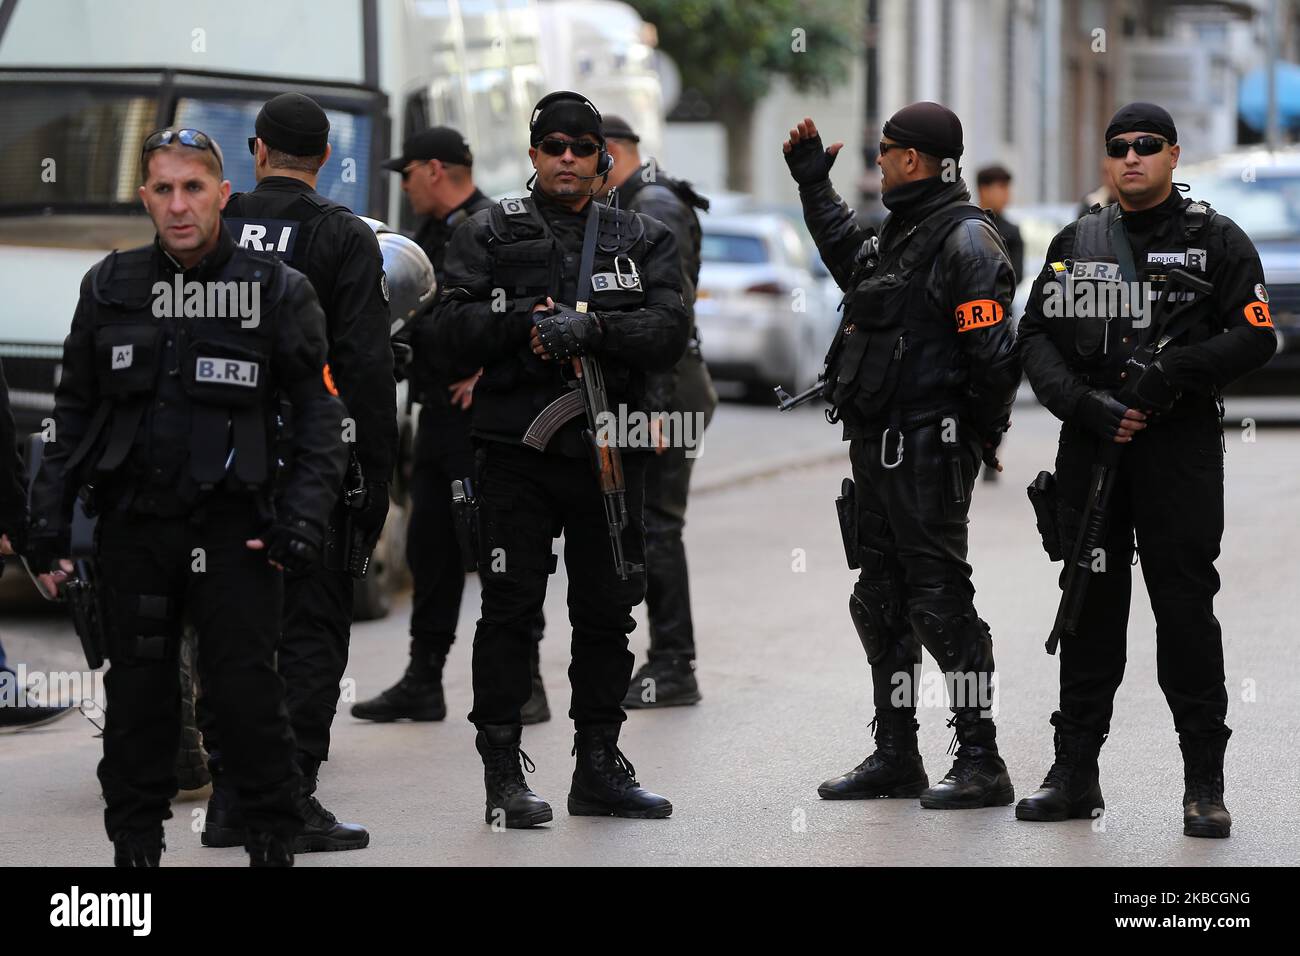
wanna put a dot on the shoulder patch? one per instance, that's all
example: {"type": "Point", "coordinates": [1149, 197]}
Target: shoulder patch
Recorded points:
{"type": "Point", "coordinates": [1257, 314]}
{"type": "Point", "coordinates": [1261, 293]}
{"type": "Point", "coordinates": [514, 207]}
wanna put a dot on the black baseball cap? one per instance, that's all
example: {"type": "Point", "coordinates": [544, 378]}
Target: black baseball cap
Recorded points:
{"type": "Point", "coordinates": [437, 142]}
{"type": "Point", "coordinates": [616, 127]}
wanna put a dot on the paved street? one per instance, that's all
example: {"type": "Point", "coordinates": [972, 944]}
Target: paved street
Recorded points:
{"type": "Point", "coordinates": [785, 698]}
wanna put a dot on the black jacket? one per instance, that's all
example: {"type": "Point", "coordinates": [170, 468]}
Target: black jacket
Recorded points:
{"type": "Point", "coordinates": [297, 372]}
{"type": "Point", "coordinates": [434, 370]}
{"type": "Point", "coordinates": [674, 204]}
{"type": "Point", "coordinates": [1225, 346]}
{"type": "Point", "coordinates": [340, 255]}
{"type": "Point", "coordinates": [492, 282]}
{"type": "Point", "coordinates": [981, 376]}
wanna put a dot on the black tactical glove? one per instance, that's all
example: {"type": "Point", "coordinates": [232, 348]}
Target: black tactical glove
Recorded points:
{"type": "Point", "coordinates": [1152, 390]}
{"type": "Point", "coordinates": [293, 545]}
{"type": "Point", "coordinates": [368, 520]}
{"type": "Point", "coordinates": [1101, 413]}
{"type": "Point", "coordinates": [809, 163]}
{"type": "Point", "coordinates": [567, 332]}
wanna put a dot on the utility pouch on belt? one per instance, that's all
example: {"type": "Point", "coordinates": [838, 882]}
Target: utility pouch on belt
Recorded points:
{"type": "Point", "coordinates": [465, 507]}
{"type": "Point", "coordinates": [846, 510]}
{"type": "Point", "coordinates": [1042, 495]}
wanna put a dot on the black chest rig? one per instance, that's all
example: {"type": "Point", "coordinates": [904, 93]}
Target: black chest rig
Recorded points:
{"type": "Point", "coordinates": [528, 263]}
{"type": "Point", "coordinates": [1098, 324]}
{"type": "Point", "coordinates": [895, 352]}
{"type": "Point", "coordinates": [212, 363]}
{"type": "Point", "coordinates": [284, 225]}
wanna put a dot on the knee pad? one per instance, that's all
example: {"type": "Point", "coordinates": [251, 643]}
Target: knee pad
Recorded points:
{"type": "Point", "coordinates": [952, 632]}
{"type": "Point", "coordinates": [144, 627]}
{"type": "Point", "coordinates": [873, 607]}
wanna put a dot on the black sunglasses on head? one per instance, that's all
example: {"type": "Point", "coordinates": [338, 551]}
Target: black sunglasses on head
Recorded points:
{"type": "Point", "coordinates": [581, 148]}
{"type": "Point", "coordinates": [1143, 146]}
{"type": "Point", "coordinates": [193, 138]}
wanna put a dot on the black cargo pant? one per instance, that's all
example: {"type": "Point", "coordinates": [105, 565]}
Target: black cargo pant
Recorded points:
{"type": "Point", "coordinates": [526, 499]}
{"type": "Point", "coordinates": [914, 587]}
{"type": "Point", "coordinates": [667, 485]}
{"type": "Point", "coordinates": [315, 631]}
{"type": "Point", "coordinates": [154, 572]}
{"type": "Point", "coordinates": [1169, 494]}
{"type": "Point", "coordinates": [443, 454]}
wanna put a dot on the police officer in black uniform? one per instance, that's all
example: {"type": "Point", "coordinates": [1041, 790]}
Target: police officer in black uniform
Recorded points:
{"type": "Point", "coordinates": [165, 425]}
{"type": "Point", "coordinates": [1167, 417]}
{"type": "Point", "coordinates": [13, 532]}
{"type": "Point", "coordinates": [286, 217]}
{"type": "Point", "coordinates": [436, 165]}
{"type": "Point", "coordinates": [508, 302]}
{"type": "Point", "coordinates": [667, 678]}
{"type": "Point", "coordinates": [922, 374]}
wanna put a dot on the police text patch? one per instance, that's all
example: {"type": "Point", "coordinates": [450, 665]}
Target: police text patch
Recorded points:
{"type": "Point", "coordinates": [276, 236]}
{"type": "Point", "coordinates": [612, 282]}
{"type": "Point", "coordinates": [978, 314]}
{"type": "Point", "coordinates": [1257, 314]}
{"type": "Point", "coordinates": [1098, 271]}
{"type": "Point", "coordinates": [226, 371]}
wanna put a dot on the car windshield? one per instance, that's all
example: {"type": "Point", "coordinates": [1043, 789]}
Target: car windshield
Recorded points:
{"type": "Point", "coordinates": [79, 147]}
{"type": "Point", "coordinates": [732, 247]}
{"type": "Point", "coordinates": [1266, 207]}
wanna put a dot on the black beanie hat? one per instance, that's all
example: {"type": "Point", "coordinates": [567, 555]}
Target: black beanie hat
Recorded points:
{"type": "Point", "coordinates": [293, 124]}
{"type": "Point", "coordinates": [565, 112]}
{"type": "Point", "coordinates": [927, 127]}
{"type": "Point", "coordinates": [1143, 118]}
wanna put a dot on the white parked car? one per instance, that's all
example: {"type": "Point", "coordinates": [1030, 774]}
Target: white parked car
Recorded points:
{"type": "Point", "coordinates": [764, 307]}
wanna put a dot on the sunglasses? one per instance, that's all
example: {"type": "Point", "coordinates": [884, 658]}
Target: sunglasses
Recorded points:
{"type": "Point", "coordinates": [886, 147]}
{"type": "Point", "coordinates": [581, 148]}
{"type": "Point", "coordinates": [1143, 146]}
{"type": "Point", "coordinates": [193, 138]}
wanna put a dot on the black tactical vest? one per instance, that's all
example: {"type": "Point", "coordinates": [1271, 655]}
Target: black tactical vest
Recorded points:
{"type": "Point", "coordinates": [895, 353]}
{"type": "Point", "coordinates": [525, 262]}
{"type": "Point", "coordinates": [289, 235]}
{"type": "Point", "coordinates": [1098, 333]}
{"type": "Point", "coordinates": [223, 369]}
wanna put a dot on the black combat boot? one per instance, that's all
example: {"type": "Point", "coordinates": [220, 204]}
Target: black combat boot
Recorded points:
{"type": "Point", "coordinates": [538, 709]}
{"type": "Point", "coordinates": [509, 800]}
{"type": "Point", "coordinates": [321, 830]}
{"type": "Point", "coordinates": [1072, 788]}
{"type": "Point", "coordinates": [978, 777]}
{"type": "Point", "coordinates": [223, 823]}
{"type": "Point", "coordinates": [663, 682]}
{"type": "Point", "coordinates": [604, 781]}
{"type": "Point", "coordinates": [138, 848]}
{"type": "Point", "coordinates": [1204, 814]}
{"type": "Point", "coordinates": [417, 696]}
{"type": "Point", "coordinates": [893, 770]}
{"type": "Point", "coordinates": [267, 849]}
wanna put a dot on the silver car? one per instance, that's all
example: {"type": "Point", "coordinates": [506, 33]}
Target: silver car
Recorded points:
{"type": "Point", "coordinates": [765, 307]}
